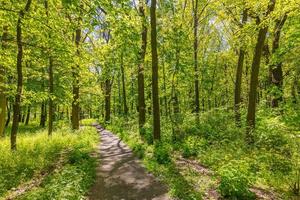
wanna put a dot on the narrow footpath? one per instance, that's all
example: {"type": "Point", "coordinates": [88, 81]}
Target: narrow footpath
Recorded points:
{"type": "Point", "coordinates": [120, 175]}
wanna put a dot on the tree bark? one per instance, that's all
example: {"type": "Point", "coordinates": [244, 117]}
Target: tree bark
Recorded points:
{"type": "Point", "coordinates": [28, 115]}
{"type": "Point", "coordinates": [141, 81]}
{"type": "Point", "coordinates": [3, 99]}
{"type": "Point", "coordinates": [107, 100]}
{"type": "Point", "coordinates": [155, 92]}
{"type": "Point", "coordinates": [51, 85]}
{"type": "Point", "coordinates": [276, 69]}
{"type": "Point", "coordinates": [254, 76]}
{"type": "Point", "coordinates": [18, 95]}
{"type": "Point", "coordinates": [238, 80]}
{"type": "Point", "coordinates": [51, 90]}
{"type": "Point", "coordinates": [125, 107]}
{"type": "Point", "coordinates": [196, 70]}
{"type": "Point", "coordinates": [75, 103]}
{"type": "Point", "coordinates": [165, 90]}
{"type": "Point", "coordinates": [8, 114]}
{"type": "Point", "coordinates": [43, 117]}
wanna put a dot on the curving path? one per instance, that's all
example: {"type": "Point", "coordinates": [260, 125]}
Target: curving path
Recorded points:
{"type": "Point", "coordinates": [120, 175]}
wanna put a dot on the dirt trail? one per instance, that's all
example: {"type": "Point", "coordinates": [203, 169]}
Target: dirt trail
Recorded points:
{"type": "Point", "coordinates": [120, 175]}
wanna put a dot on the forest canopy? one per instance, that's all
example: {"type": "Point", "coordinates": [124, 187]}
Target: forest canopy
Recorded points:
{"type": "Point", "coordinates": [216, 81]}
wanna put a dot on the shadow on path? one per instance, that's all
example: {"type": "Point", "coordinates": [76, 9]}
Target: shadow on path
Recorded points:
{"type": "Point", "coordinates": [120, 175]}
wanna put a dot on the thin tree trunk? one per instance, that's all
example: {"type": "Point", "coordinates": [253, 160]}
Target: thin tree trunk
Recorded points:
{"type": "Point", "coordinates": [155, 92]}
{"type": "Point", "coordinates": [18, 95]}
{"type": "Point", "coordinates": [51, 85]}
{"type": "Point", "coordinates": [51, 90]}
{"type": "Point", "coordinates": [254, 76]}
{"type": "Point", "coordinates": [23, 117]}
{"type": "Point", "coordinates": [8, 114]}
{"type": "Point", "coordinates": [276, 69]}
{"type": "Point", "coordinates": [43, 117]}
{"type": "Point", "coordinates": [124, 87]}
{"type": "Point", "coordinates": [119, 95]}
{"type": "Point", "coordinates": [28, 115]}
{"type": "Point", "coordinates": [75, 103]}
{"type": "Point", "coordinates": [107, 100]}
{"type": "Point", "coordinates": [196, 70]}
{"type": "Point", "coordinates": [3, 99]}
{"type": "Point", "coordinates": [165, 90]}
{"type": "Point", "coordinates": [238, 80]}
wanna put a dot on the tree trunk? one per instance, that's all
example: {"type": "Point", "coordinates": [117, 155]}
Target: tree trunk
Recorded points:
{"type": "Point", "coordinates": [28, 115]}
{"type": "Point", "coordinates": [8, 114]}
{"type": "Point", "coordinates": [165, 90]}
{"type": "Point", "coordinates": [119, 106]}
{"type": "Point", "coordinates": [23, 118]}
{"type": "Point", "coordinates": [276, 69]}
{"type": "Point", "coordinates": [43, 117]}
{"type": "Point", "coordinates": [238, 80]}
{"type": "Point", "coordinates": [254, 76]}
{"type": "Point", "coordinates": [142, 53]}
{"type": "Point", "coordinates": [107, 100]}
{"type": "Point", "coordinates": [51, 90]}
{"type": "Point", "coordinates": [16, 107]}
{"type": "Point", "coordinates": [124, 87]}
{"type": "Point", "coordinates": [51, 87]}
{"type": "Point", "coordinates": [196, 81]}
{"type": "Point", "coordinates": [75, 103]}
{"type": "Point", "coordinates": [155, 92]}
{"type": "Point", "coordinates": [3, 100]}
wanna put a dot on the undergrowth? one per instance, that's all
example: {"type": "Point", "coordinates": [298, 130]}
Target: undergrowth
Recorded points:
{"type": "Point", "coordinates": [38, 153]}
{"type": "Point", "coordinates": [271, 163]}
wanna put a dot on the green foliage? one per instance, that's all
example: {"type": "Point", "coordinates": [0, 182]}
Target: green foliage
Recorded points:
{"type": "Point", "coordinates": [87, 122]}
{"type": "Point", "coordinates": [147, 133]}
{"type": "Point", "coordinates": [192, 146]}
{"type": "Point", "coordinates": [139, 150]}
{"type": "Point", "coordinates": [161, 153]}
{"type": "Point", "coordinates": [37, 152]}
{"type": "Point", "coordinates": [72, 182]}
{"type": "Point", "coordinates": [235, 182]}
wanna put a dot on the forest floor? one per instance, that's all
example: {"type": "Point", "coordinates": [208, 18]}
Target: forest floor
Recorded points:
{"type": "Point", "coordinates": [120, 175]}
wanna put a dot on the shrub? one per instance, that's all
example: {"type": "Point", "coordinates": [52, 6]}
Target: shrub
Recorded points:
{"type": "Point", "coordinates": [161, 153]}
{"type": "Point", "coordinates": [147, 134]}
{"type": "Point", "coordinates": [139, 150]}
{"type": "Point", "coordinates": [235, 182]}
{"type": "Point", "coordinates": [192, 146]}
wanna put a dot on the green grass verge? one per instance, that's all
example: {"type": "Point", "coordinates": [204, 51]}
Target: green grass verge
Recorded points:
{"type": "Point", "coordinates": [271, 163]}
{"type": "Point", "coordinates": [38, 153]}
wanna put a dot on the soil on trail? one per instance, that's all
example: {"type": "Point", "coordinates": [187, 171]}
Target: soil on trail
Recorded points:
{"type": "Point", "coordinates": [120, 175]}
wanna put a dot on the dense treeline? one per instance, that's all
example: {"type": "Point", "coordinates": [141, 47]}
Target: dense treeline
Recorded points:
{"type": "Point", "coordinates": [151, 61]}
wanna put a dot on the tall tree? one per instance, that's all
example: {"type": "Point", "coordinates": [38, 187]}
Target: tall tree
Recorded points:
{"type": "Point", "coordinates": [155, 92]}
{"type": "Point", "coordinates": [107, 93]}
{"type": "Point", "coordinates": [28, 115]}
{"type": "Point", "coordinates": [142, 54]}
{"type": "Point", "coordinates": [238, 77]}
{"type": "Point", "coordinates": [50, 74]}
{"type": "Point", "coordinates": [43, 116]}
{"type": "Point", "coordinates": [196, 70]}
{"type": "Point", "coordinates": [3, 98]}
{"type": "Point", "coordinates": [125, 107]}
{"type": "Point", "coordinates": [75, 71]}
{"type": "Point", "coordinates": [255, 72]}
{"type": "Point", "coordinates": [17, 103]}
{"type": "Point", "coordinates": [276, 68]}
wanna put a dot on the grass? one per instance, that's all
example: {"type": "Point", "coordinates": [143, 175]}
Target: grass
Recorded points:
{"type": "Point", "coordinates": [38, 153]}
{"type": "Point", "coordinates": [87, 122]}
{"type": "Point", "coordinates": [272, 163]}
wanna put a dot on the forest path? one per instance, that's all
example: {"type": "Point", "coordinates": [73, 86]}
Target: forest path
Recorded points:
{"type": "Point", "coordinates": [120, 175]}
